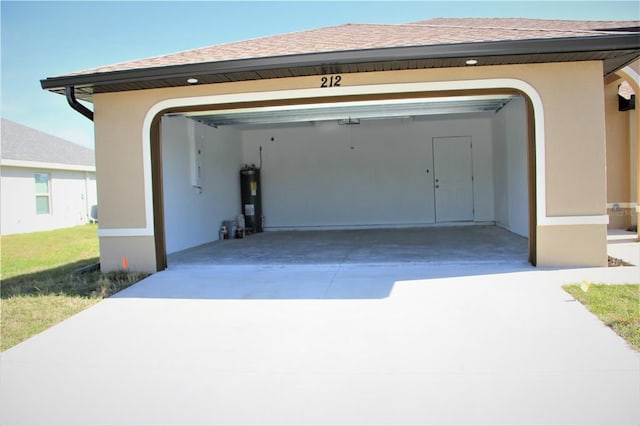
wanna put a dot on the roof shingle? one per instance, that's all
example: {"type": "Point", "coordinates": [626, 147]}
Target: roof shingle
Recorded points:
{"type": "Point", "coordinates": [370, 36]}
{"type": "Point", "coordinates": [24, 143]}
{"type": "Point", "coordinates": [529, 24]}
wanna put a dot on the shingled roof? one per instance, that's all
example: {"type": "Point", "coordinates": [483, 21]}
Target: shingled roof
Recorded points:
{"type": "Point", "coordinates": [441, 42]}
{"type": "Point", "coordinates": [527, 24]}
{"type": "Point", "coordinates": [370, 36]}
{"type": "Point", "coordinates": [25, 144]}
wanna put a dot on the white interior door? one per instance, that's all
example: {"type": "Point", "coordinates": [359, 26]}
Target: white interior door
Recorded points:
{"type": "Point", "coordinates": [453, 179]}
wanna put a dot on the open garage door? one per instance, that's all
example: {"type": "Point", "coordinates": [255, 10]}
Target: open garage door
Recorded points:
{"type": "Point", "coordinates": [402, 163]}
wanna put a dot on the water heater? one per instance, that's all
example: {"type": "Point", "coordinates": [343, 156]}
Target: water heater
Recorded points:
{"type": "Point", "coordinates": [251, 199]}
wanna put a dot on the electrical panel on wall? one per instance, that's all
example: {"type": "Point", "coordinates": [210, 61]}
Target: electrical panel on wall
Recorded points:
{"type": "Point", "coordinates": [195, 133]}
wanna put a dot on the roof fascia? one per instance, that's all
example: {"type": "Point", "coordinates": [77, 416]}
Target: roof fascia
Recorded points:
{"type": "Point", "coordinates": [46, 166]}
{"type": "Point", "coordinates": [476, 50]}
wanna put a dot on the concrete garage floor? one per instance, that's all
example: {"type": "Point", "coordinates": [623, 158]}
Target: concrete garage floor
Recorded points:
{"type": "Point", "coordinates": [405, 343]}
{"type": "Point", "coordinates": [434, 245]}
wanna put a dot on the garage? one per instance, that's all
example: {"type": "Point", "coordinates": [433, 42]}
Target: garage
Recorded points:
{"type": "Point", "coordinates": [368, 127]}
{"type": "Point", "coordinates": [420, 167]}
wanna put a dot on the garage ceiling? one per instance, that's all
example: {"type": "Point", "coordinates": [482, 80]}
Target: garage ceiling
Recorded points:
{"type": "Point", "coordinates": [353, 112]}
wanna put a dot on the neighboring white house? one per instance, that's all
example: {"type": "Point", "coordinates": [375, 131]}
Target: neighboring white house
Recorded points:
{"type": "Point", "coordinates": [45, 182]}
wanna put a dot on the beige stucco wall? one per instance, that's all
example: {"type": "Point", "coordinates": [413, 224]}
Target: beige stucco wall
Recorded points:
{"type": "Point", "coordinates": [574, 245]}
{"type": "Point", "coordinates": [618, 164]}
{"type": "Point", "coordinates": [139, 253]}
{"type": "Point", "coordinates": [118, 129]}
{"type": "Point", "coordinates": [572, 95]}
{"type": "Point", "coordinates": [634, 160]}
{"type": "Point", "coordinates": [630, 74]}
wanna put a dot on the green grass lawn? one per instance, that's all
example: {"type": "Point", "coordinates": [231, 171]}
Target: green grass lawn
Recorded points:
{"type": "Point", "coordinates": [39, 288]}
{"type": "Point", "coordinates": [618, 306]}
{"type": "Point", "coordinates": [25, 253]}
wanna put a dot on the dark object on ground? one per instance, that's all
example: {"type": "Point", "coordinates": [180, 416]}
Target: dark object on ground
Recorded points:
{"type": "Point", "coordinates": [614, 261]}
{"type": "Point", "coordinates": [88, 268]}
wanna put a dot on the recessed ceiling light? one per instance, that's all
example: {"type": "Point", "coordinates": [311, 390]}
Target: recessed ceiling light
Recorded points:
{"type": "Point", "coordinates": [471, 61]}
{"type": "Point", "coordinates": [192, 80]}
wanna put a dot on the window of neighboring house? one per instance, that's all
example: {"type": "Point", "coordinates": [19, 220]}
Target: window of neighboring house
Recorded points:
{"type": "Point", "coordinates": [43, 193]}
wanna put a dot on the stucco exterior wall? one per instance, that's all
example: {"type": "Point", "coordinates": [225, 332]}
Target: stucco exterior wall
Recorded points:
{"type": "Point", "coordinates": [618, 164]}
{"type": "Point", "coordinates": [634, 160]}
{"type": "Point", "coordinates": [72, 194]}
{"type": "Point", "coordinates": [631, 74]}
{"type": "Point", "coordinates": [573, 245]}
{"type": "Point", "coordinates": [139, 252]}
{"type": "Point", "coordinates": [118, 147]}
{"type": "Point", "coordinates": [572, 99]}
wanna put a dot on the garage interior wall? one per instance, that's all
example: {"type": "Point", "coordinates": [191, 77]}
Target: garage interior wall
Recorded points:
{"type": "Point", "coordinates": [510, 167]}
{"type": "Point", "coordinates": [325, 175]}
{"type": "Point", "coordinates": [194, 210]}
{"type": "Point", "coordinates": [377, 173]}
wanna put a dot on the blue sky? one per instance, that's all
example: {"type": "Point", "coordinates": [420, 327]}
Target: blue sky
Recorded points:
{"type": "Point", "coordinates": [44, 39]}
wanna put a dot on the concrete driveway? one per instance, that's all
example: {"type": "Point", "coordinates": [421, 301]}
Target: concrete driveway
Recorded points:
{"type": "Point", "coordinates": [409, 344]}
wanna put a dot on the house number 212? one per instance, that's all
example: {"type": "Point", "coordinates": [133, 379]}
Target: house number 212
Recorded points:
{"type": "Point", "coordinates": [332, 81]}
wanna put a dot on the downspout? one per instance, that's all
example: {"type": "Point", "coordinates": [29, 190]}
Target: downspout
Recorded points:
{"type": "Point", "coordinates": [70, 92]}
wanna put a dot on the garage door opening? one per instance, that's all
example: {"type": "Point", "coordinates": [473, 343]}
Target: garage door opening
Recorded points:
{"type": "Point", "coordinates": [484, 245]}
{"type": "Point", "coordinates": [401, 164]}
